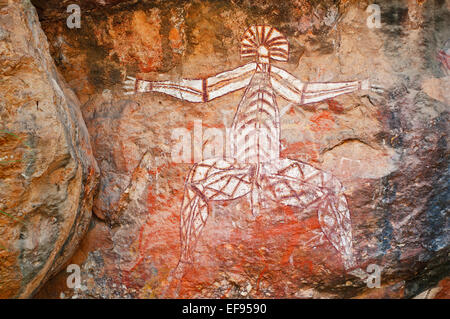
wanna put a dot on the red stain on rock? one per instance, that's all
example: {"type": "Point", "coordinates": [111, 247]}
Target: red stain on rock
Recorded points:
{"type": "Point", "coordinates": [323, 121]}
{"type": "Point", "coordinates": [151, 201]}
{"type": "Point", "coordinates": [303, 149]}
{"type": "Point", "coordinates": [335, 106]}
{"type": "Point", "coordinates": [279, 241]}
{"type": "Point", "coordinates": [175, 38]}
{"type": "Point", "coordinates": [444, 292]}
{"type": "Point", "coordinates": [147, 66]}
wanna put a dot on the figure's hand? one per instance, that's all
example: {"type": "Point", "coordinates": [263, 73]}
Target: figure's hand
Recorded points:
{"type": "Point", "coordinates": [368, 85]}
{"type": "Point", "coordinates": [377, 88]}
{"type": "Point", "coordinates": [365, 85]}
{"type": "Point", "coordinates": [129, 85]}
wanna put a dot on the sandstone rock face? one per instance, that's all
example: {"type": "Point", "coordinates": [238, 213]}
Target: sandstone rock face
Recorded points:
{"type": "Point", "coordinates": [389, 149]}
{"type": "Point", "coordinates": [47, 170]}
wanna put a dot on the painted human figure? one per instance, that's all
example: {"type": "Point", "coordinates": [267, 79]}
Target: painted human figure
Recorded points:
{"type": "Point", "coordinates": [255, 168]}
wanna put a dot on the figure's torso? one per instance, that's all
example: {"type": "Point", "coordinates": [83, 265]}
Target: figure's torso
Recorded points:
{"type": "Point", "coordinates": [255, 132]}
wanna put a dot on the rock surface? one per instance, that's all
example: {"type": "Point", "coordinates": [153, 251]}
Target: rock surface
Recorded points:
{"type": "Point", "coordinates": [389, 150]}
{"type": "Point", "coordinates": [47, 170]}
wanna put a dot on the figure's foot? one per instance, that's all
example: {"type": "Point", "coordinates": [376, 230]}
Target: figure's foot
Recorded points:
{"type": "Point", "coordinates": [255, 211]}
{"type": "Point", "coordinates": [255, 201]}
{"type": "Point", "coordinates": [358, 272]}
{"type": "Point", "coordinates": [349, 263]}
{"type": "Point", "coordinates": [317, 240]}
{"type": "Point", "coordinates": [172, 289]}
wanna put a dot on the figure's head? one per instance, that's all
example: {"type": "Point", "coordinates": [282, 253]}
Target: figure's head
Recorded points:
{"type": "Point", "coordinates": [264, 43]}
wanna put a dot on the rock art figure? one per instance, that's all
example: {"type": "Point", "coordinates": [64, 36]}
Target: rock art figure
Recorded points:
{"type": "Point", "coordinates": [255, 168]}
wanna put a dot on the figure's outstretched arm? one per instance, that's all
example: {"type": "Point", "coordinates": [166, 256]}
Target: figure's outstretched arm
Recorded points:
{"type": "Point", "coordinates": [196, 90]}
{"type": "Point", "coordinates": [292, 89]}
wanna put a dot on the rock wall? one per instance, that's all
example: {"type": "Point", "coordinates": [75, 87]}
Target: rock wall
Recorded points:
{"type": "Point", "coordinates": [47, 170]}
{"type": "Point", "coordinates": [388, 149]}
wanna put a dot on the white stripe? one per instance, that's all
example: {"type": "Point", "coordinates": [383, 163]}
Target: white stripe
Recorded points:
{"type": "Point", "coordinates": [318, 93]}
{"type": "Point", "coordinates": [179, 94]}
{"type": "Point", "coordinates": [232, 74]}
{"type": "Point", "coordinates": [325, 96]}
{"type": "Point", "coordinates": [317, 87]}
{"type": "Point", "coordinates": [285, 92]}
{"type": "Point", "coordinates": [233, 86]}
{"type": "Point", "coordinates": [292, 80]}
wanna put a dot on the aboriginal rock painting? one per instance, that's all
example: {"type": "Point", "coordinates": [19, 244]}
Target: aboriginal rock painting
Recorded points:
{"type": "Point", "coordinates": [255, 169]}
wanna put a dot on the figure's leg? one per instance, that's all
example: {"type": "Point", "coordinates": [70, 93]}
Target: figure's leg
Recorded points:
{"type": "Point", "coordinates": [334, 219]}
{"type": "Point", "coordinates": [300, 185]}
{"type": "Point", "coordinates": [194, 213]}
{"type": "Point", "coordinates": [193, 216]}
{"type": "Point", "coordinates": [255, 200]}
{"type": "Point", "coordinates": [255, 193]}
{"type": "Point", "coordinates": [211, 180]}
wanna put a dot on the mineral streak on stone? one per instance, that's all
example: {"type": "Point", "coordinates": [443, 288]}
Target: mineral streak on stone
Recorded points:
{"type": "Point", "coordinates": [389, 150]}
{"type": "Point", "coordinates": [47, 173]}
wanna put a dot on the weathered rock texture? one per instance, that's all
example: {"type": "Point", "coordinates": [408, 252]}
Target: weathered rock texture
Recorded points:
{"type": "Point", "coordinates": [389, 150]}
{"type": "Point", "coordinates": [47, 171]}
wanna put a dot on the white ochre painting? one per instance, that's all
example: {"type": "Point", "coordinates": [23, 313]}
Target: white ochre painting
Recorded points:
{"type": "Point", "coordinates": [254, 168]}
